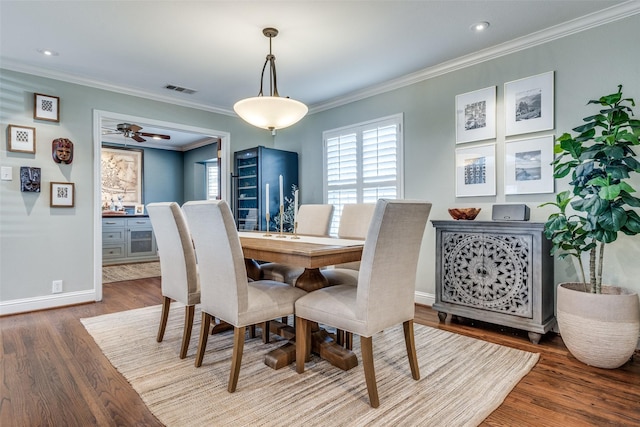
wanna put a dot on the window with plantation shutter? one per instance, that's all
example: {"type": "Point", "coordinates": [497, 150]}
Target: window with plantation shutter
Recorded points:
{"type": "Point", "coordinates": [212, 180]}
{"type": "Point", "coordinates": [362, 163]}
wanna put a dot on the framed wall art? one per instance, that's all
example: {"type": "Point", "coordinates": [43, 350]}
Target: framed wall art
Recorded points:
{"type": "Point", "coordinates": [46, 107]}
{"type": "Point", "coordinates": [476, 115]}
{"type": "Point", "coordinates": [30, 178]}
{"type": "Point", "coordinates": [121, 176]}
{"type": "Point", "coordinates": [476, 171]}
{"type": "Point", "coordinates": [62, 195]}
{"type": "Point", "coordinates": [528, 168]}
{"type": "Point", "coordinates": [528, 104]}
{"type": "Point", "coordinates": [21, 139]}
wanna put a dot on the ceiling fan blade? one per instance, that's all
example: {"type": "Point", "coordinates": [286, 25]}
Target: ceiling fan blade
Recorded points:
{"type": "Point", "coordinates": [138, 138]}
{"type": "Point", "coordinates": [135, 128]}
{"type": "Point", "coordinates": [155, 135]}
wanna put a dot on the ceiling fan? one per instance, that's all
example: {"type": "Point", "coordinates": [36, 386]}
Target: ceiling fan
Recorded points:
{"type": "Point", "coordinates": [133, 131]}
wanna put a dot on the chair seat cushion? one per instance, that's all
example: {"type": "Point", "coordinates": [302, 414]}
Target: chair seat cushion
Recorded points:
{"type": "Point", "coordinates": [334, 306]}
{"type": "Point", "coordinates": [280, 272]}
{"type": "Point", "coordinates": [269, 300]}
{"type": "Point", "coordinates": [341, 276]}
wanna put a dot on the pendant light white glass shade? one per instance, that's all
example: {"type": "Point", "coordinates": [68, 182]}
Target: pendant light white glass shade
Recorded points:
{"type": "Point", "coordinates": [270, 112]}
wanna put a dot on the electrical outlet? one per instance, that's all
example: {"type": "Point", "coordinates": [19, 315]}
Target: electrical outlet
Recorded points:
{"type": "Point", "coordinates": [56, 286]}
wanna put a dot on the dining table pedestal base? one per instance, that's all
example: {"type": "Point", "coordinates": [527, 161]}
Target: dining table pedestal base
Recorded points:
{"type": "Point", "coordinates": [322, 343]}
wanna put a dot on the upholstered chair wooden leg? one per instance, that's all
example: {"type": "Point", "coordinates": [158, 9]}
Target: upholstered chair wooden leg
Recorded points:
{"type": "Point", "coordinates": [366, 346]}
{"type": "Point", "coordinates": [303, 343]}
{"type": "Point", "coordinates": [252, 331]}
{"type": "Point", "coordinates": [340, 337]}
{"type": "Point", "coordinates": [265, 332]}
{"type": "Point", "coordinates": [166, 303]}
{"type": "Point", "coordinates": [236, 358]}
{"type": "Point", "coordinates": [186, 334]}
{"type": "Point", "coordinates": [410, 342]}
{"type": "Point", "coordinates": [204, 334]}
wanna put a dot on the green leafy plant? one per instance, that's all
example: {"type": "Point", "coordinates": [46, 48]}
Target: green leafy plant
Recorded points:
{"type": "Point", "coordinates": [601, 161]}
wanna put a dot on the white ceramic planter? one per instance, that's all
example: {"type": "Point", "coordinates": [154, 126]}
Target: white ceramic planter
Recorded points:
{"type": "Point", "coordinates": [599, 329]}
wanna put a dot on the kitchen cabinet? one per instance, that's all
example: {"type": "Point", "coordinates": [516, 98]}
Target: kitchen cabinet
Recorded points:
{"type": "Point", "coordinates": [127, 239]}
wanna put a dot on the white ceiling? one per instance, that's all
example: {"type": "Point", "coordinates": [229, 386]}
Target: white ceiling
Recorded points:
{"type": "Point", "coordinates": [327, 53]}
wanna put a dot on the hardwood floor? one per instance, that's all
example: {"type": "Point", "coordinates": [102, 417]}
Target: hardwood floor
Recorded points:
{"type": "Point", "coordinates": [52, 373]}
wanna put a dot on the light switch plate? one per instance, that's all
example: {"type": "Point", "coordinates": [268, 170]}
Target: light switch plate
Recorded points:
{"type": "Point", "coordinates": [6, 173]}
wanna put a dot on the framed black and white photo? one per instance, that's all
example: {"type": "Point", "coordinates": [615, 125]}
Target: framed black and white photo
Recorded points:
{"type": "Point", "coordinates": [46, 107]}
{"type": "Point", "coordinates": [62, 195]}
{"type": "Point", "coordinates": [528, 104]}
{"type": "Point", "coordinates": [476, 115]}
{"type": "Point", "coordinates": [21, 139]}
{"type": "Point", "coordinates": [528, 168]}
{"type": "Point", "coordinates": [476, 171]}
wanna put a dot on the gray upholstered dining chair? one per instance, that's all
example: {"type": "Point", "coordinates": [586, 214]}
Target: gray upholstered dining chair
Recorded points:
{"type": "Point", "coordinates": [384, 296]}
{"type": "Point", "coordinates": [313, 220]}
{"type": "Point", "coordinates": [179, 273]}
{"type": "Point", "coordinates": [354, 224]}
{"type": "Point", "coordinates": [226, 291]}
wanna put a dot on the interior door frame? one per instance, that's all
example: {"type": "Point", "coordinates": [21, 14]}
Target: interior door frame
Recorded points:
{"type": "Point", "coordinates": [98, 117]}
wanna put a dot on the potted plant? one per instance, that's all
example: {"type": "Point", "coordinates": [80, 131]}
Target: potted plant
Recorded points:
{"type": "Point", "coordinates": [599, 324]}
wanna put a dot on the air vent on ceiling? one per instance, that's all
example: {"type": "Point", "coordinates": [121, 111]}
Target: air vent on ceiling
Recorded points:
{"type": "Point", "coordinates": [180, 89]}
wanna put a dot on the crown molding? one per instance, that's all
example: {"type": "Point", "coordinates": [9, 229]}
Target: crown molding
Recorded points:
{"type": "Point", "coordinates": [614, 13]}
{"type": "Point", "coordinates": [565, 29]}
{"type": "Point", "coordinates": [98, 84]}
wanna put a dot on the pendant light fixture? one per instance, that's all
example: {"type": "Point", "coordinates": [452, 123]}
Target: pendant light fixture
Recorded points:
{"type": "Point", "coordinates": [270, 111]}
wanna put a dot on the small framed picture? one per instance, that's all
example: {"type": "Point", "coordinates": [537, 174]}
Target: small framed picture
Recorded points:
{"type": "Point", "coordinates": [528, 168]}
{"type": "Point", "coordinates": [22, 139]}
{"type": "Point", "coordinates": [30, 179]}
{"type": "Point", "coordinates": [139, 210]}
{"type": "Point", "coordinates": [476, 171]}
{"type": "Point", "coordinates": [476, 115]}
{"type": "Point", "coordinates": [46, 107]}
{"type": "Point", "coordinates": [528, 104]}
{"type": "Point", "coordinates": [62, 195]}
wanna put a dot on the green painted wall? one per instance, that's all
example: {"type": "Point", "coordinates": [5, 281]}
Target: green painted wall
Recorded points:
{"type": "Point", "coordinates": [587, 65]}
{"type": "Point", "coordinates": [58, 243]}
{"type": "Point", "coordinates": [39, 244]}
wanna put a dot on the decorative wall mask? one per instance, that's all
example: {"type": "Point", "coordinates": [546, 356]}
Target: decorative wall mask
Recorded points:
{"type": "Point", "coordinates": [30, 179]}
{"type": "Point", "coordinates": [62, 150]}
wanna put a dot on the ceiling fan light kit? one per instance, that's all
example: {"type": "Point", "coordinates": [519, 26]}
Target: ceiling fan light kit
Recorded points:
{"type": "Point", "coordinates": [273, 111]}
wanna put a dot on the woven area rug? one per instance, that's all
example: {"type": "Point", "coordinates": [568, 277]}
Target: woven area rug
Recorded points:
{"type": "Point", "coordinates": [140, 270]}
{"type": "Point", "coordinates": [462, 379]}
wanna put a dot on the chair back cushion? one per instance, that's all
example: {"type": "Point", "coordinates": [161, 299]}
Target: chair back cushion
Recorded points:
{"type": "Point", "coordinates": [177, 256]}
{"type": "Point", "coordinates": [314, 220]}
{"type": "Point", "coordinates": [223, 275]}
{"type": "Point", "coordinates": [354, 224]}
{"type": "Point", "coordinates": [355, 220]}
{"type": "Point", "coordinates": [387, 277]}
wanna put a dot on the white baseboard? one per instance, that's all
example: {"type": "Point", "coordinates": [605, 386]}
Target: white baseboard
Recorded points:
{"type": "Point", "coordinates": [425, 298]}
{"type": "Point", "coordinates": [45, 302]}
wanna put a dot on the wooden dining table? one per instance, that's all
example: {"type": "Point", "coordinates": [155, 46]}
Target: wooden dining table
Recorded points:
{"type": "Point", "coordinates": [311, 253]}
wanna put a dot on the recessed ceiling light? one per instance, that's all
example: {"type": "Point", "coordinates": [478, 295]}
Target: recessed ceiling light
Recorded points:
{"type": "Point", "coordinates": [480, 26]}
{"type": "Point", "coordinates": [48, 52]}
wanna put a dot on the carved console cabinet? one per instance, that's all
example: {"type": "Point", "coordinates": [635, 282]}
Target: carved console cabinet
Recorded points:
{"type": "Point", "coordinates": [495, 271]}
